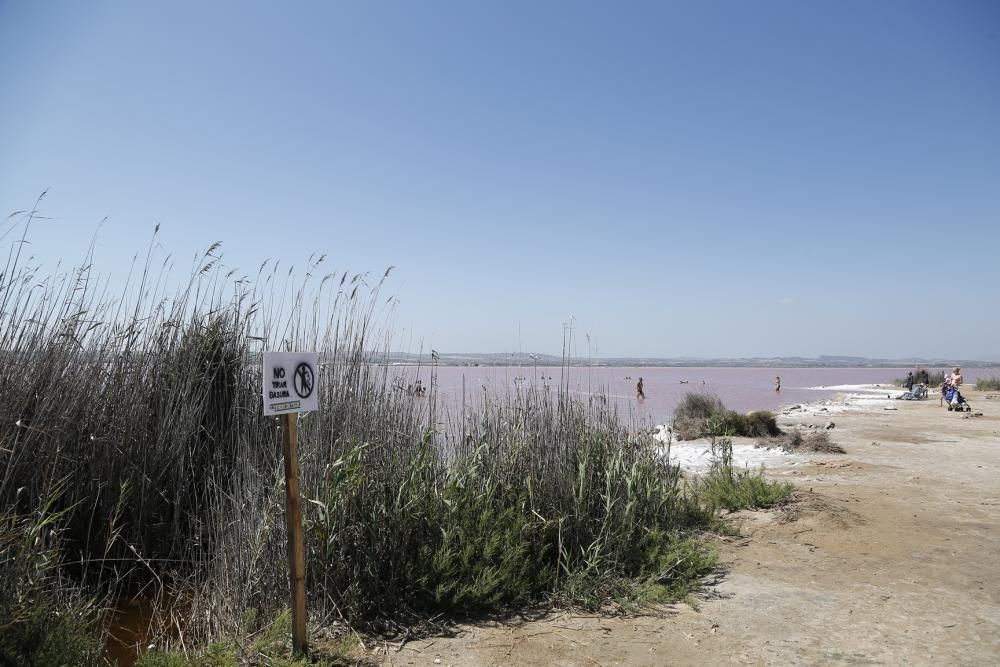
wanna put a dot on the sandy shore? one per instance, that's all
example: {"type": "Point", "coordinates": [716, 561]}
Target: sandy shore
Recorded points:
{"type": "Point", "coordinates": [891, 555]}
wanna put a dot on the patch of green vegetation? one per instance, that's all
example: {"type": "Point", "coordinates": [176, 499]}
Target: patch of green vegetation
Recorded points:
{"type": "Point", "coordinates": [699, 415]}
{"type": "Point", "coordinates": [727, 487]}
{"type": "Point", "coordinates": [44, 619]}
{"type": "Point", "coordinates": [671, 569]}
{"type": "Point", "coordinates": [508, 522]}
{"type": "Point", "coordinates": [271, 648]}
{"type": "Point", "coordinates": [158, 658]}
{"type": "Point", "coordinates": [988, 384]}
{"type": "Point", "coordinates": [733, 489]}
{"type": "Point", "coordinates": [53, 634]}
{"type": "Point", "coordinates": [674, 569]}
{"type": "Point", "coordinates": [760, 423]}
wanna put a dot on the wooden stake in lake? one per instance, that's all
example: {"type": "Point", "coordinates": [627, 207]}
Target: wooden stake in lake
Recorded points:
{"type": "Point", "coordinates": [290, 386]}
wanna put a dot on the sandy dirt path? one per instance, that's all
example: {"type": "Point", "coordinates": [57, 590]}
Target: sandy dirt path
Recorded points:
{"type": "Point", "coordinates": [890, 556]}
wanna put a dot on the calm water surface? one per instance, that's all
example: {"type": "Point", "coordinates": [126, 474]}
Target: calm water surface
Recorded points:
{"type": "Point", "coordinates": [741, 389]}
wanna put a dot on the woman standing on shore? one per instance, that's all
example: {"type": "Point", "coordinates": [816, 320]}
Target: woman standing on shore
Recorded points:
{"type": "Point", "coordinates": [956, 377]}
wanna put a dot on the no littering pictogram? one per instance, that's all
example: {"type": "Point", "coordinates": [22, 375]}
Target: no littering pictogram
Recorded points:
{"type": "Point", "coordinates": [304, 380]}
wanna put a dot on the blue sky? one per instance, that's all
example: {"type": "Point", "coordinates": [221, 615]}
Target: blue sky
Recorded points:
{"type": "Point", "coordinates": [703, 179]}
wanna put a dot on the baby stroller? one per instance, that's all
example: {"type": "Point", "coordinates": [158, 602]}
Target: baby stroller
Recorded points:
{"type": "Point", "coordinates": [956, 402]}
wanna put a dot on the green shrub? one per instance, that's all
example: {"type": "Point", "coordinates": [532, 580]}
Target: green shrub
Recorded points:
{"type": "Point", "coordinates": [693, 412]}
{"type": "Point", "coordinates": [698, 406]}
{"type": "Point", "coordinates": [672, 569]}
{"type": "Point", "coordinates": [726, 487]}
{"type": "Point", "coordinates": [796, 441]}
{"type": "Point", "coordinates": [761, 423]}
{"type": "Point", "coordinates": [44, 619]}
{"type": "Point", "coordinates": [698, 415]}
{"type": "Point", "coordinates": [688, 428]}
{"type": "Point", "coordinates": [988, 384]}
{"type": "Point", "coordinates": [733, 489]}
{"type": "Point", "coordinates": [545, 497]}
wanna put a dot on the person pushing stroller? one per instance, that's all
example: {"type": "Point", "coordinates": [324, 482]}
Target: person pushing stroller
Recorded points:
{"type": "Point", "coordinates": [950, 392]}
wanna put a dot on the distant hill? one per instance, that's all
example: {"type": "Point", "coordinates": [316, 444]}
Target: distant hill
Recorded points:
{"type": "Point", "coordinates": [823, 361]}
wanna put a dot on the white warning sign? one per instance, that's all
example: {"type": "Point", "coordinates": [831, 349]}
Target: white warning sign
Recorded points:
{"type": "Point", "coordinates": [291, 382]}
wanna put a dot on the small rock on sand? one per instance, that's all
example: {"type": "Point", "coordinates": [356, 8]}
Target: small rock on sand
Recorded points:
{"type": "Point", "coordinates": [829, 426]}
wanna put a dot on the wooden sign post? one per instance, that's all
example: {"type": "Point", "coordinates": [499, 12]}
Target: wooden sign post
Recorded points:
{"type": "Point", "coordinates": [290, 387]}
{"type": "Point", "coordinates": [293, 520]}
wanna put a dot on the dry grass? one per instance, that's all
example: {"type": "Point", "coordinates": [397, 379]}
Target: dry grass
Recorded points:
{"type": "Point", "coordinates": [796, 441]}
{"type": "Point", "coordinates": [699, 415]}
{"type": "Point", "coordinates": [988, 384]}
{"type": "Point", "coordinates": [140, 414]}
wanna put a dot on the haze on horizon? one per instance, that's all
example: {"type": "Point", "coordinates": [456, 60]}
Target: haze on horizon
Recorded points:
{"type": "Point", "coordinates": [682, 180]}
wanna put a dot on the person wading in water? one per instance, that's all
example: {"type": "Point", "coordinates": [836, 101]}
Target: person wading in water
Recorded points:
{"type": "Point", "coordinates": [639, 393]}
{"type": "Point", "coordinates": [777, 383]}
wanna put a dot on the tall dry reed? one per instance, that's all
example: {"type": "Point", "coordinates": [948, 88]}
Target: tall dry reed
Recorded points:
{"type": "Point", "coordinates": [138, 414]}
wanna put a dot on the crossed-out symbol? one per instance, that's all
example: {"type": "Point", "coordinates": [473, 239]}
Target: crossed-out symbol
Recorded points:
{"type": "Point", "coordinates": [304, 380]}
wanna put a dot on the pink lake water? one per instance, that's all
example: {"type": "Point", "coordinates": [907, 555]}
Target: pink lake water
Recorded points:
{"type": "Point", "coordinates": [741, 389]}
